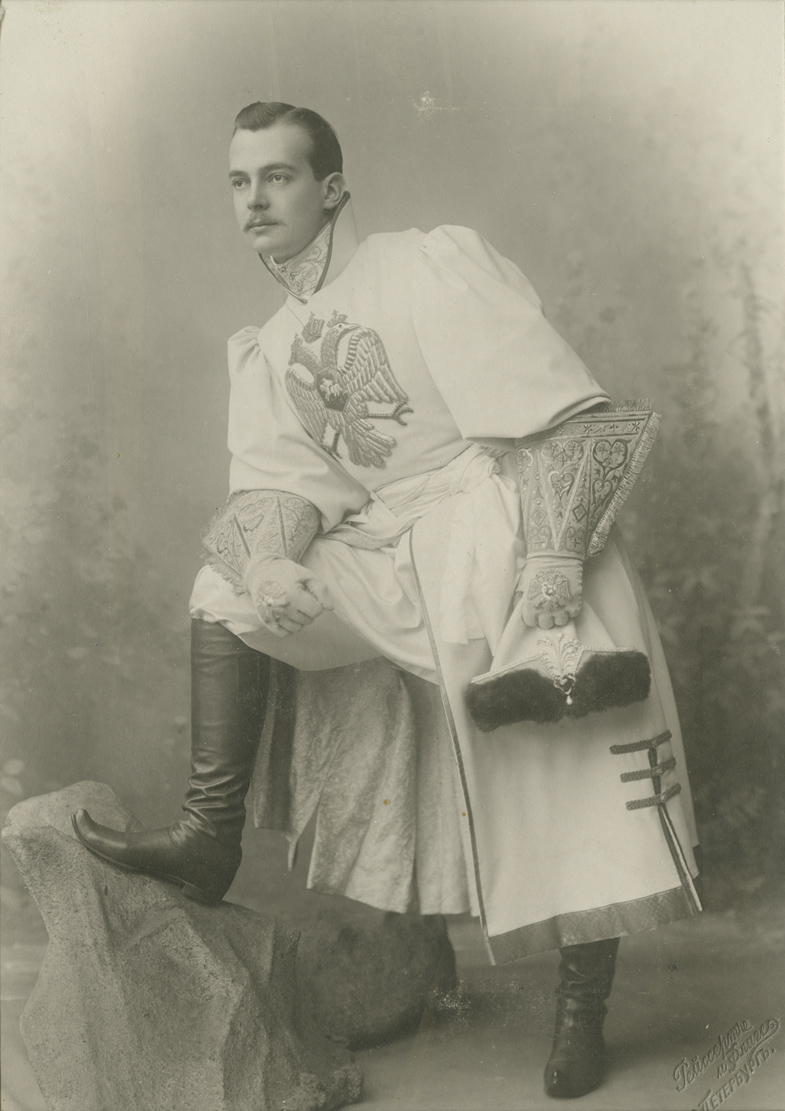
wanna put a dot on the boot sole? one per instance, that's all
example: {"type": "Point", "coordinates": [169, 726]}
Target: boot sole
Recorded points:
{"type": "Point", "coordinates": [572, 1093]}
{"type": "Point", "coordinates": [198, 894]}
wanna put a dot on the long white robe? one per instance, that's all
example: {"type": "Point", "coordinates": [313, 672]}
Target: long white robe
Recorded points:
{"type": "Point", "coordinates": [390, 401]}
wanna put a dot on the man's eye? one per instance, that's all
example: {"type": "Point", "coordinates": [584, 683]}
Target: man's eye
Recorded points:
{"type": "Point", "coordinates": [277, 178]}
{"type": "Point", "coordinates": [238, 183]}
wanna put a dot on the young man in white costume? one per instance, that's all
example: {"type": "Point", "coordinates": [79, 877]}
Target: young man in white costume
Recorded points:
{"type": "Point", "coordinates": [410, 496]}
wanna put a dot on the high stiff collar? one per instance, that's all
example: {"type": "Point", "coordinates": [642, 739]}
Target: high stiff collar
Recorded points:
{"type": "Point", "coordinates": [322, 259]}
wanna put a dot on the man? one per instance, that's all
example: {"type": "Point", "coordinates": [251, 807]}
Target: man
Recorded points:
{"type": "Point", "coordinates": [423, 483]}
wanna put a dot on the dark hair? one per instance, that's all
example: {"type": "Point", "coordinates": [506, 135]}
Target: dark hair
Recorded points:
{"type": "Point", "coordinates": [325, 155]}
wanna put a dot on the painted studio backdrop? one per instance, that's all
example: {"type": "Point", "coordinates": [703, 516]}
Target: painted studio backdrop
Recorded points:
{"type": "Point", "coordinates": [628, 156]}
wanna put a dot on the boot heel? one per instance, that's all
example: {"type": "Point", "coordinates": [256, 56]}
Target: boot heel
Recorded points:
{"type": "Point", "coordinates": [200, 895]}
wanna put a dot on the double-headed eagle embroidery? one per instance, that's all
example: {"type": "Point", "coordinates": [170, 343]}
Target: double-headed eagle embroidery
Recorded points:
{"type": "Point", "coordinates": [335, 387]}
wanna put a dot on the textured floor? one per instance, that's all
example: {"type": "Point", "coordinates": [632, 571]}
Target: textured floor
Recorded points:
{"type": "Point", "coordinates": [677, 989]}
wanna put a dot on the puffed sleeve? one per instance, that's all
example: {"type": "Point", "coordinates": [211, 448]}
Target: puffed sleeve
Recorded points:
{"type": "Point", "coordinates": [502, 369]}
{"type": "Point", "coordinates": [270, 448]}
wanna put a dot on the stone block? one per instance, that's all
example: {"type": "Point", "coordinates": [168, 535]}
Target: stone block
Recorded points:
{"type": "Point", "coordinates": [366, 976]}
{"type": "Point", "coordinates": [148, 1001]}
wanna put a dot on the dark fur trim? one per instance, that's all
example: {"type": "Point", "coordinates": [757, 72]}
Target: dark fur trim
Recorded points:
{"type": "Point", "coordinates": [609, 680]}
{"type": "Point", "coordinates": [605, 681]}
{"type": "Point", "coordinates": [514, 696]}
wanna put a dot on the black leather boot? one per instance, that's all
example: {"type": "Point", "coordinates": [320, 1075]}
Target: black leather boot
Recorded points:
{"type": "Point", "coordinates": [579, 1059]}
{"type": "Point", "coordinates": [201, 852]}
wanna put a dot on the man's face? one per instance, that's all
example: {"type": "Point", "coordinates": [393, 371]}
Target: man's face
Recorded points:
{"type": "Point", "coordinates": [279, 204]}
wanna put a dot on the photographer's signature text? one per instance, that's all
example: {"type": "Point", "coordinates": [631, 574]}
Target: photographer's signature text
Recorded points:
{"type": "Point", "coordinates": [735, 1057]}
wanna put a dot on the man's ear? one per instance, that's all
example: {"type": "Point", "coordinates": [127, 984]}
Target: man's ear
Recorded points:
{"type": "Point", "coordinates": [333, 188]}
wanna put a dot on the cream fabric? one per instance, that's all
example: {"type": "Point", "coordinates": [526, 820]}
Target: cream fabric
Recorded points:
{"type": "Point", "coordinates": [372, 581]}
{"type": "Point", "coordinates": [455, 338]}
{"type": "Point", "coordinates": [382, 782]}
{"type": "Point", "coordinates": [502, 369]}
{"type": "Point", "coordinates": [422, 552]}
{"type": "Point", "coordinates": [357, 735]}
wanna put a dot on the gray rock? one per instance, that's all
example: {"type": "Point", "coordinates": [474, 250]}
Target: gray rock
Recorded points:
{"type": "Point", "coordinates": [147, 1001]}
{"type": "Point", "coordinates": [366, 977]}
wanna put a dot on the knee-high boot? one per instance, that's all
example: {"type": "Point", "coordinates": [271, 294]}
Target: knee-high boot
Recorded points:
{"type": "Point", "coordinates": [578, 1059]}
{"type": "Point", "coordinates": [201, 851]}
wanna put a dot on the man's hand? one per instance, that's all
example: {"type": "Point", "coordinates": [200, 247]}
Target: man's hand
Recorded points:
{"type": "Point", "coordinates": [551, 586]}
{"type": "Point", "coordinates": [287, 596]}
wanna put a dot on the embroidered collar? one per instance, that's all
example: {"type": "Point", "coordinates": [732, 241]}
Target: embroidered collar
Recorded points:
{"type": "Point", "coordinates": [305, 273]}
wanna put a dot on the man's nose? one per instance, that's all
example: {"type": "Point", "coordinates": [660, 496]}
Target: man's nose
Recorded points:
{"type": "Point", "coordinates": [257, 196]}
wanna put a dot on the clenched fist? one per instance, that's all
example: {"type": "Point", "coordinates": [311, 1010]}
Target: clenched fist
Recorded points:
{"type": "Point", "coordinates": [551, 586]}
{"type": "Point", "coordinates": [287, 595]}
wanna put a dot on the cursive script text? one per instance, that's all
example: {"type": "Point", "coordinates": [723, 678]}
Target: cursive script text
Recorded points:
{"type": "Point", "coordinates": [728, 1052]}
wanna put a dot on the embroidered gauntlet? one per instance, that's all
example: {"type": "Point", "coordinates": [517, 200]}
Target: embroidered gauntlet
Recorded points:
{"type": "Point", "coordinates": [255, 542]}
{"type": "Point", "coordinates": [574, 479]}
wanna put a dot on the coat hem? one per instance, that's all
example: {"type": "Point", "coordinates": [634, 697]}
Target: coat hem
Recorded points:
{"type": "Point", "coordinates": [579, 927]}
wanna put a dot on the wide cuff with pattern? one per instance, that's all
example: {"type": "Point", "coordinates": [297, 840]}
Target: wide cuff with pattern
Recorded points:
{"type": "Point", "coordinates": [256, 522]}
{"type": "Point", "coordinates": [575, 477]}
{"type": "Point", "coordinates": [573, 481]}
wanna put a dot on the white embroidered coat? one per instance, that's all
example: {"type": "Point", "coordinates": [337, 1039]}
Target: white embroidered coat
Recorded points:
{"type": "Point", "coordinates": [390, 400]}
